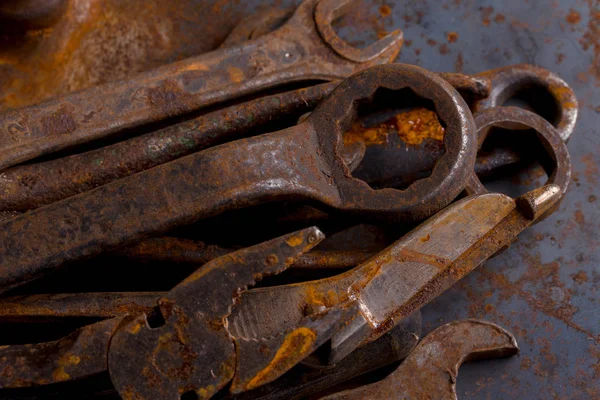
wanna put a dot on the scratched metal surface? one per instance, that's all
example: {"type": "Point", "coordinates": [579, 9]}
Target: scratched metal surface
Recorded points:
{"type": "Point", "coordinates": [545, 288]}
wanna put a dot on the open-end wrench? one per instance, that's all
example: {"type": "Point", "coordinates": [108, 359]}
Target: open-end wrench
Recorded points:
{"type": "Point", "coordinates": [301, 162]}
{"type": "Point", "coordinates": [430, 371]}
{"type": "Point", "coordinates": [304, 48]}
{"type": "Point", "coordinates": [424, 263]}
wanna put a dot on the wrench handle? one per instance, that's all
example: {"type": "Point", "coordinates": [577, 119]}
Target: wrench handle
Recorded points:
{"type": "Point", "coordinates": [233, 175]}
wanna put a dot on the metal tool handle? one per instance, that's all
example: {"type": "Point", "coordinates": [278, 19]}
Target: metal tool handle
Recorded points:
{"type": "Point", "coordinates": [237, 174]}
{"type": "Point", "coordinates": [294, 52]}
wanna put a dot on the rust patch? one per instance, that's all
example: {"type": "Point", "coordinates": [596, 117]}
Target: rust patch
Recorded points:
{"type": "Point", "coordinates": [573, 17]}
{"type": "Point", "coordinates": [60, 122]}
{"type": "Point", "coordinates": [293, 349]}
{"type": "Point", "coordinates": [419, 124]}
{"type": "Point", "coordinates": [415, 256]}
{"type": "Point", "coordinates": [452, 37]}
{"type": "Point", "coordinates": [373, 135]}
{"type": "Point", "coordinates": [486, 13]}
{"type": "Point", "coordinates": [385, 10]}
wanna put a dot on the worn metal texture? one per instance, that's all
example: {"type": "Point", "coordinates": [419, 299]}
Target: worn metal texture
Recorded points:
{"type": "Point", "coordinates": [189, 348]}
{"type": "Point", "coordinates": [238, 174]}
{"type": "Point", "coordinates": [307, 380]}
{"type": "Point", "coordinates": [297, 51]}
{"type": "Point", "coordinates": [33, 185]}
{"type": "Point", "coordinates": [414, 270]}
{"type": "Point", "coordinates": [430, 371]}
{"type": "Point", "coordinates": [545, 289]}
{"type": "Point", "coordinates": [55, 47]}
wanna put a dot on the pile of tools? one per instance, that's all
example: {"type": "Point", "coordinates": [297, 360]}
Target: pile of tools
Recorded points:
{"type": "Point", "coordinates": [229, 226]}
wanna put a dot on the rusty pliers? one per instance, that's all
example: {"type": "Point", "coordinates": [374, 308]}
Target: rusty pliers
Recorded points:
{"type": "Point", "coordinates": [306, 47]}
{"type": "Point", "coordinates": [424, 263]}
{"type": "Point", "coordinates": [300, 162]}
{"type": "Point", "coordinates": [184, 345]}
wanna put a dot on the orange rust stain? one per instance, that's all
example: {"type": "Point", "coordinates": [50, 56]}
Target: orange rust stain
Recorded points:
{"type": "Point", "coordinates": [415, 256]}
{"type": "Point", "coordinates": [579, 218]}
{"type": "Point", "coordinates": [573, 17]}
{"type": "Point", "coordinates": [444, 49]}
{"type": "Point", "coordinates": [135, 328]}
{"type": "Point", "coordinates": [425, 238]}
{"type": "Point", "coordinates": [385, 10]}
{"type": "Point", "coordinates": [580, 277]}
{"type": "Point", "coordinates": [235, 74]}
{"type": "Point", "coordinates": [489, 308]}
{"type": "Point", "coordinates": [591, 169]}
{"type": "Point", "coordinates": [452, 37]}
{"type": "Point", "coordinates": [296, 345]}
{"type": "Point", "coordinates": [431, 42]}
{"type": "Point", "coordinates": [66, 360]}
{"type": "Point", "coordinates": [294, 241]}
{"type": "Point", "coordinates": [499, 18]}
{"type": "Point", "coordinates": [486, 13]}
{"type": "Point", "coordinates": [419, 124]}
{"type": "Point", "coordinates": [591, 40]}
{"type": "Point", "coordinates": [359, 133]}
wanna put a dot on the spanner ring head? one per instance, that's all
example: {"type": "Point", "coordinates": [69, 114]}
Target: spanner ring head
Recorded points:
{"type": "Point", "coordinates": [426, 196]}
{"type": "Point", "coordinates": [509, 81]}
{"type": "Point", "coordinates": [556, 162]}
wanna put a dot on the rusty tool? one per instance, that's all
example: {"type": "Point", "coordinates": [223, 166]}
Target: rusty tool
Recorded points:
{"type": "Point", "coordinates": [301, 162]}
{"type": "Point", "coordinates": [307, 380]}
{"type": "Point", "coordinates": [184, 345]}
{"type": "Point", "coordinates": [396, 139]}
{"type": "Point", "coordinates": [542, 90]}
{"type": "Point", "coordinates": [304, 48]}
{"type": "Point", "coordinates": [30, 186]}
{"type": "Point", "coordinates": [424, 263]}
{"type": "Point", "coordinates": [430, 371]}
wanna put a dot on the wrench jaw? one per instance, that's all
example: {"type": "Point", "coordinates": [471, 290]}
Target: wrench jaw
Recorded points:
{"type": "Point", "coordinates": [431, 370]}
{"type": "Point", "coordinates": [387, 47]}
{"type": "Point", "coordinates": [426, 196]}
{"type": "Point", "coordinates": [191, 349]}
{"type": "Point", "coordinates": [508, 81]}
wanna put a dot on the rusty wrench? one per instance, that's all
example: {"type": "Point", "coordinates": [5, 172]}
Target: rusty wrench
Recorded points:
{"type": "Point", "coordinates": [301, 162]}
{"type": "Point", "coordinates": [424, 263]}
{"type": "Point", "coordinates": [430, 371]}
{"type": "Point", "coordinates": [304, 48]}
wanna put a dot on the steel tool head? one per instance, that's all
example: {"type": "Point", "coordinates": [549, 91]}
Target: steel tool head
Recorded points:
{"type": "Point", "coordinates": [554, 156]}
{"type": "Point", "coordinates": [510, 81]}
{"type": "Point", "coordinates": [329, 10]}
{"type": "Point", "coordinates": [335, 115]}
{"type": "Point", "coordinates": [430, 371]}
{"type": "Point", "coordinates": [186, 347]}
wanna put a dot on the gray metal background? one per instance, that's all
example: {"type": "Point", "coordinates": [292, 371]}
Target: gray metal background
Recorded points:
{"type": "Point", "coordinates": [544, 289]}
